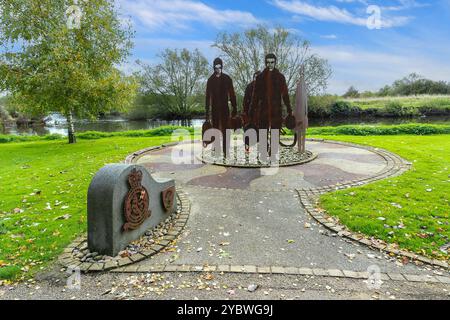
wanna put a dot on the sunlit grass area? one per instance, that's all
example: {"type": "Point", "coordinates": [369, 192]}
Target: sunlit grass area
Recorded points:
{"type": "Point", "coordinates": [411, 210]}
{"type": "Point", "coordinates": [43, 189]}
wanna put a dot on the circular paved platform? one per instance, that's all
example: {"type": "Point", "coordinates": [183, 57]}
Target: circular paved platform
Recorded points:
{"type": "Point", "coordinates": [239, 158]}
{"type": "Point", "coordinates": [256, 218]}
{"type": "Point", "coordinates": [335, 163]}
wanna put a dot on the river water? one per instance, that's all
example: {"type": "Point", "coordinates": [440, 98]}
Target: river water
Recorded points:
{"type": "Point", "coordinates": [57, 124]}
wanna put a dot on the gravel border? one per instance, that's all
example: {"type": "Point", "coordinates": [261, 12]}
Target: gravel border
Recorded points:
{"type": "Point", "coordinates": [68, 260]}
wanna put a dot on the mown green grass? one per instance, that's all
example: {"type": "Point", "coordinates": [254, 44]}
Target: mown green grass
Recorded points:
{"type": "Point", "coordinates": [419, 199]}
{"type": "Point", "coordinates": [33, 174]}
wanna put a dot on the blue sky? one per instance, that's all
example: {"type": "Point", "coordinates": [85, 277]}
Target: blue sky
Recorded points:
{"type": "Point", "coordinates": [414, 35]}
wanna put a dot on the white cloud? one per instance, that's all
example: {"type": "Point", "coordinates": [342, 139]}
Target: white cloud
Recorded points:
{"type": "Point", "coordinates": [405, 5]}
{"type": "Point", "coordinates": [158, 44]}
{"type": "Point", "coordinates": [176, 15]}
{"type": "Point", "coordinates": [371, 70]}
{"type": "Point", "coordinates": [335, 14]}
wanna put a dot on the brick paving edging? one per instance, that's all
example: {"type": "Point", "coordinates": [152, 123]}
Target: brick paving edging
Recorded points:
{"type": "Point", "coordinates": [395, 167]}
{"type": "Point", "coordinates": [67, 260]}
{"type": "Point", "coordinates": [272, 270]}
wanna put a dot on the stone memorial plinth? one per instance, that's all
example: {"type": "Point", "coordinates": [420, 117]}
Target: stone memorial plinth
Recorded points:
{"type": "Point", "coordinates": [124, 201]}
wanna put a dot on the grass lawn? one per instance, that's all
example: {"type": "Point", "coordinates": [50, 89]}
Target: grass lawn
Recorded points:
{"type": "Point", "coordinates": [416, 203]}
{"type": "Point", "coordinates": [437, 102]}
{"type": "Point", "coordinates": [43, 189]}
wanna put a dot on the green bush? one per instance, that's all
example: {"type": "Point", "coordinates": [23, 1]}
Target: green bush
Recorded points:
{"type": "Point", "coordinates": [94, 135]}
{"type": "Point", "coordinates": [406, 129]}
{"type": "Point", "coordinates": [320, 106]}
{"type": "Point", "coordinates": [397, 109]}
{"type": "Point", "coordinates": [344, 109]}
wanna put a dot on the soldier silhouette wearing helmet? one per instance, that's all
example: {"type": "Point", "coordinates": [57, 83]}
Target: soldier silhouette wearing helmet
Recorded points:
{"type": "Point", "coordinates": [219, 92]}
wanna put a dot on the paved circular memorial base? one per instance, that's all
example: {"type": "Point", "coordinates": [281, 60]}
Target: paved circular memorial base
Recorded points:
{"type": "Point", "coordinates": [239, 158]}
{"type": "Point", "coordinates": [263, 220]}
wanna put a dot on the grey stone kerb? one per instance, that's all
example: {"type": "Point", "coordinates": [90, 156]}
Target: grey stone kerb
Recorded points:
{"type": "Point", "coordinates": [106, 197]}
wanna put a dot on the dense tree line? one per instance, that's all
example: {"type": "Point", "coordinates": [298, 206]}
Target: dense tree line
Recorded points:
{"type": "Point", "coordinates": [411, 85]}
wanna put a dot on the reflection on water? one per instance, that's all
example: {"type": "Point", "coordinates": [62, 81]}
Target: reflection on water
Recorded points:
{"type": "Point", "coordinates": [57, 124]}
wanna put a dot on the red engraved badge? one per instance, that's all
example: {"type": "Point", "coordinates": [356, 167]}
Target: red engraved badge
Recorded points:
{"type": "Point", "coordinates": [168, 198]}
{"type": "Point", "coordinates": [136, 206]}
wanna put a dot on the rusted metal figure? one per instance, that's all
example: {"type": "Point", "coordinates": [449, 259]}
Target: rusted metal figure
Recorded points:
{"type": "Point", "coordinates": [270, 91]}
{"type": "Point", "coordinates": [219, 92]}
{"type": "Point", "coordinates": [266, 110]}
{"type": "Point", "coordinates": [248, 98]}
{"type": "Point", "coordinates": [248, 122]}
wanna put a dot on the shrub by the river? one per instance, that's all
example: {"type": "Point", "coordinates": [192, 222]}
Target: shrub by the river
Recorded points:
{"type": "Point", "coordinates": [405, 129]}
{"type": "Point", "coordinates": [94, 135]}
{"type": "Point", "coordinates": [320, 106]}
{"type": "Point", "coordinates": [398, 109]}
{"type": "Point", "coordinates": [344, 109]}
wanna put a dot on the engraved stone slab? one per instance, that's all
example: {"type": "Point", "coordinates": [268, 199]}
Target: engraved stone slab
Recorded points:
{"type": "Point", "coordinates": [124, 201]}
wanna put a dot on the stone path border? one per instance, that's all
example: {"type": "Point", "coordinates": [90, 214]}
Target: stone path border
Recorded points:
{"type": "Point", "coordinates": [68, 261]}
{"type": "Point", "coordinates": [396, 166]}
{"type": "Point", "coordinates": [335, 273]}
{"type": "Point", "coordinates": [131, 159]}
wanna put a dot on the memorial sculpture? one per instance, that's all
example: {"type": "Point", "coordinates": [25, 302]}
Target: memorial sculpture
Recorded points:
{"type": "Point", "coordinates": [219, 92]}
{"type": "Point", "coordinates": [266, 110]}
{"type": "Point", "coordinates": [262, 115]}
{"type": "Point", "coordinates": [248, 123]}
{"type": "Point", "coordinates": [124, 202]}
{"type": "Point", "coordinates": [248, 98]}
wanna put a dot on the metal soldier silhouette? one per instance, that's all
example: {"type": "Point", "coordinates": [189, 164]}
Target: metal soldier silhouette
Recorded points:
{"type": "Point", "coordinates": [248, 98]}
{"type": "Point", "coordinates": [220, 91]}
{"type": "Point", "coordinates": [262, 106]}
{"type": "Point", "coordinates": [266, 110]}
